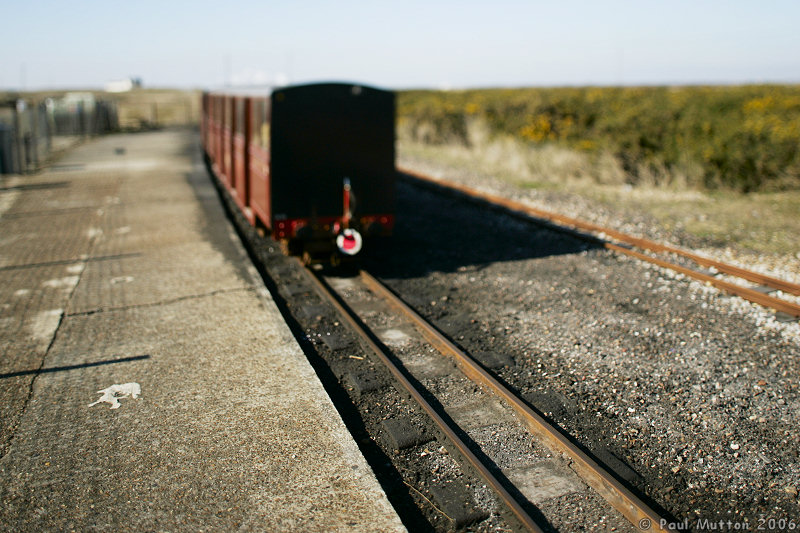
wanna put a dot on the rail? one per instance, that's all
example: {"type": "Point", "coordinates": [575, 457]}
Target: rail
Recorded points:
{"type": "Point", "coordinates": [594, 474]}
{"type": "Point", "coordinates": [604, 234]}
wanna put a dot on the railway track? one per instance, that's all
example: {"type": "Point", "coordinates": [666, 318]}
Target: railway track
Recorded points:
{"type": "Point", "coordinates": [532, 486]}
{"type": "Point", "coordinates": [410, 474]}
{"type": "Point", "coordinates": [622, 243]}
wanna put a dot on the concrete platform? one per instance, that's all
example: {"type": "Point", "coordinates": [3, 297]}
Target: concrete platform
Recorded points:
{"type": "Point", "coordinates": [118, 266]}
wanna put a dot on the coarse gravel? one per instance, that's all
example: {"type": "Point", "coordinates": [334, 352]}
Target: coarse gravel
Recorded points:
{"type": "Point", "coordinates": [638, 224]}
{"type": "Point", "coordinates": [688, 393]}
{"type": "Point", "coordinates": [694, 390]}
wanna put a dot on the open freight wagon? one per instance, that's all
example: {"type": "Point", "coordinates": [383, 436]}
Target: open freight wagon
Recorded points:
{"type": "Point", "coordinates": [314, 165]}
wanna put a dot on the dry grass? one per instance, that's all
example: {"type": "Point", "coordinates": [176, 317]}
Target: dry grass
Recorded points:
{"type": "Point", "coordinates": [145, 108]}
{"type": "Point", "coordinates": [541, 166]}
{"type": "Point", "coordinates": [741, 138]}
{"type": "Point", "coordinates": [532, 166]}
{"type": "Point", "coordinates": [765, 222]}
{"type": "Point", "coordinates": [761, 222]}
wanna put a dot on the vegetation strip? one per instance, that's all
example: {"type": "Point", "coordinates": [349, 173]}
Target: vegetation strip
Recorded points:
{"type": "Point", "coordinates": [748, 294]}
{"type": "Point", "coordinates": [726, 137]}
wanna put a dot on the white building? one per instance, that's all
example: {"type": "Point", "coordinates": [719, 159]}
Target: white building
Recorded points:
{"type": "Point", "coordinates": [122, 86]}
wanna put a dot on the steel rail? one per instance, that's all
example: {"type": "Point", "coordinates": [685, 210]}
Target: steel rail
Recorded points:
{"type": "Point", "coordinates": [496, 485]}
{"type": "Point", "coordinates": [639, 513]}
{"type": "Point", "coordinates": [744, 292]}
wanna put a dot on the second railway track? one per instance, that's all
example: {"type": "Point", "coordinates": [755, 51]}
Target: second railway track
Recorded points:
{"type": "Point", "coordinates": [623, 243]}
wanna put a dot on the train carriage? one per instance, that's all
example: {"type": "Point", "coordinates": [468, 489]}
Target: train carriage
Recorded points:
{"type": "Point", "coordinates": [226, 148]}
{"type": "Point", "coordinates": [311, 164]}
{"type": "Point", "coordinates": [238, 185]}
{"type": "Point", "coordinates": [259, 207]}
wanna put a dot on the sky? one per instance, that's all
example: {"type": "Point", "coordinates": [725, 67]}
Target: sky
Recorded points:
{"type": "Point", "coordinates": [398, 44]}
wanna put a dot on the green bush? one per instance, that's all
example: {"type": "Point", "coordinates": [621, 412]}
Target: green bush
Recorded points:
{"type": "Point", "coordinates": [744, 138]}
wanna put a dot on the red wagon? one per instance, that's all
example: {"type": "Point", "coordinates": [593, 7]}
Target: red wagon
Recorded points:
{"type": "Point", "coordinates": [311, 164]}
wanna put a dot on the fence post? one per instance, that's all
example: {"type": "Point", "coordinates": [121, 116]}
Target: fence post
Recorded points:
{"type": "Point", "coordinates": [48, 125]}
{"type": "Point", "coordinates": [82, 120]}
{"type": "Point", "coordinates": [35, 134]}
{"type": "Point", "coordinates": [20, 151]}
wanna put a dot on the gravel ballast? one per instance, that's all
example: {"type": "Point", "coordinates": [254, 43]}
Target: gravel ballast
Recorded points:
{"type": "Point", "coordinates": [694, 391]}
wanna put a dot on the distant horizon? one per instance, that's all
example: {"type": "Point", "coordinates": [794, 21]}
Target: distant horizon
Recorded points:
{"type": "Point", "coordinates": [146, 87]}
{"type": "Point", "coordinates": [404, 45]}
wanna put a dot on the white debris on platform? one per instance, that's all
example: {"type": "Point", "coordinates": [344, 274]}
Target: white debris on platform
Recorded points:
{"type": "Point", "coordinates": [113, 394]}
{"type": "Point", "coordinates": [43, 326]}
{"type": "Point", "coordinates": [77, 268]}
{"type": "Point", "coordinates": [93, 232]}
{"type": "Point", "coordinates": [67, 282]}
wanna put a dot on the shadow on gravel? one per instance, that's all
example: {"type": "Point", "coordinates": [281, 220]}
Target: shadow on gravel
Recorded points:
{"type": "Point", "coordinates": [436, 232]}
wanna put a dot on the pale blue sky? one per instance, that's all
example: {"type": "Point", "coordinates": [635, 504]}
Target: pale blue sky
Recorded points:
{"type": "Point", "coordinates": [413, 43]}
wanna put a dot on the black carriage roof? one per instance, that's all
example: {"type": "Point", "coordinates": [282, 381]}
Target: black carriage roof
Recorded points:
{"type": "Point", "coordinates": [315, 87]}
{"type": "Point", "coordinates": [330, 85]}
